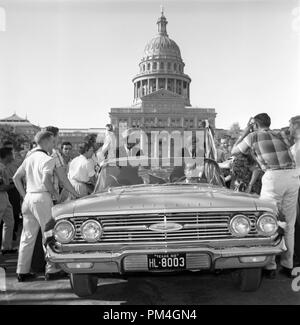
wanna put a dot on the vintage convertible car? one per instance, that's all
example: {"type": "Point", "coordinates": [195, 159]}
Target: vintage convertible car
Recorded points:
{"type": "Point", "coordinates": [157, 216]}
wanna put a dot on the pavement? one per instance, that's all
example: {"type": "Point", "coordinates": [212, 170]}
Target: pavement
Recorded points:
{"type": "Point", "coordinates": [190, 288]}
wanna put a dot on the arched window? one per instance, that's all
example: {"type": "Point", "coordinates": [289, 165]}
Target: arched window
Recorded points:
{"type": "Point", "coordinates": [154, 65]}
{"type": "Point", "coordinates": [171, 84]}
{"type": "Point", "coordinates": [148, 67]}
{"type": "Point", "coordinates": [161, 66]}
{"type": "Point", "coordinates": [152, 85]}
{"type": "Point", "coordinates": [169, 65]}
{"type": "Point", "coordinates": [175, 67]}
{"type": "Point", "coordinates": [161, 83]}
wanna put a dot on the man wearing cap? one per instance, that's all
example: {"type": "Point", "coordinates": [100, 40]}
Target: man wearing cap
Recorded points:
{"type": "Point", "coordinates": [280, 182]}
{"type": "Point", "coordinates": [38, 170]}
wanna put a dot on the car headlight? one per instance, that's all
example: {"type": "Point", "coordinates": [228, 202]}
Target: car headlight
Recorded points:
{"type": "Point", "coordinates": [267, 225]}
{"type": "Point", "coordinates": [91, 231]}
{"type": "Point", "coordinates": [64, 231]}
{"type": "Point", "coordinates": [240, 225]}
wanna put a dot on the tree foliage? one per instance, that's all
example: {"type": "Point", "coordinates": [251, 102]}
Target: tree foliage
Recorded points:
{"type": "Point", "coordinates": [7, 133]}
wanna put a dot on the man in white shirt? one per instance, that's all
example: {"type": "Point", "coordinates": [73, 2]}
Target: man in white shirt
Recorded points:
{"type": "Point", "coordinates": [81, 170]}
{"type": "Point", "coordinates": [38, 170]}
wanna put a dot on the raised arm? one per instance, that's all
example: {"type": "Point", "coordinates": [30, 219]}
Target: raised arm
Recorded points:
{"type": "Point", "coordinates": [242, 143]}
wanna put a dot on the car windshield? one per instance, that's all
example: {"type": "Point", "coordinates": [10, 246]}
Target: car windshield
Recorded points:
{"type": "Point", "coordinates": [143, 171]}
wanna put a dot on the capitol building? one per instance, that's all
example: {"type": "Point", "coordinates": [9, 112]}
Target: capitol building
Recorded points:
{"type": "Point", "coordinates": [161, 91]}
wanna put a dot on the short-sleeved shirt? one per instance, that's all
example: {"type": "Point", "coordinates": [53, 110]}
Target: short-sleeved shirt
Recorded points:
{"type": "Point", "coordinates": [271, 148]}
{"type": "Point", "coordinates": [35, 166]}
{"type": "Point", "coordinates": [81, 169]}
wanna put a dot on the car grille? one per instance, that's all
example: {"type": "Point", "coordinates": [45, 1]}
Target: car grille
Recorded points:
{"type": "Point", "coordinates": [135, 228]}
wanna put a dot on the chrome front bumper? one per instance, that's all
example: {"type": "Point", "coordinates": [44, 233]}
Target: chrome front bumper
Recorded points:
{"type": "Point", "coordinates": [135, 260]}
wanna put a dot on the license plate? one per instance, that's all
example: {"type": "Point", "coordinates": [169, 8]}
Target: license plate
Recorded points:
{"type": "Point", "coordinates": [171, 261]}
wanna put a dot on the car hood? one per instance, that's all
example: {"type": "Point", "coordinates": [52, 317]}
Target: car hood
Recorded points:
{"type": "Point", "coordinates": [162, 198]}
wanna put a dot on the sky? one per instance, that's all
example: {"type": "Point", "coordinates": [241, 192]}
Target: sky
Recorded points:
{"type": "Point", "coordinates": [67, 62]}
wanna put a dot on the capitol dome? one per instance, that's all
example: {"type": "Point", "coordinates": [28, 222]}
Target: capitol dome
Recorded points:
{"type": "Point", "coordinates": [161, 66]}
{"type": "Point", "coordinates": [162, 46]}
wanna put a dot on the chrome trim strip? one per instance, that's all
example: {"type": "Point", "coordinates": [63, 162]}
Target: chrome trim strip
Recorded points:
{"type": "Point", "coordinates": [118, 228]}
{"type": "Point", "coordinates": [159, 211]}
{"type": "Point", "coordinates": [205, 225]}
{"type": "Point", "coordinates": [118, 256]}
{"type": "Point", "coordinates": [214, 243]}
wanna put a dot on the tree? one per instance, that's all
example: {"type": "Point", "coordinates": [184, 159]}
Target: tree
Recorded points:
{"type": "Point", "coordinates": [7, 133]}
{"type": "Point", "coordinates": [235, 130]}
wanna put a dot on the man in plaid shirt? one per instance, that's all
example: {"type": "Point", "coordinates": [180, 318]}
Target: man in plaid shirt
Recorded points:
{"type": "Point", "coordinates": [280, 182]}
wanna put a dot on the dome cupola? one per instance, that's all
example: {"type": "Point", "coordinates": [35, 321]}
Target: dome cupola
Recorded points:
{"type": "Point", "coordinates": [161, 44]}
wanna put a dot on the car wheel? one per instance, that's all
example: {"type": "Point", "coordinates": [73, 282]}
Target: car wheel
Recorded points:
{"type": "Point", "coordinates": [249, 279]}
{"type": "Point", "coordinates": [83, 284]}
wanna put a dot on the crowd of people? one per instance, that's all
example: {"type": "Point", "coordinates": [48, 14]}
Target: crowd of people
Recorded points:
{"type": "Point", "coordinates": [31, 182]}
{"type": "Point", "coordinates": [261, 161]}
